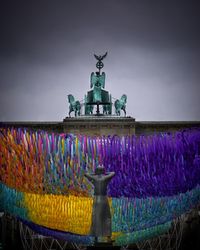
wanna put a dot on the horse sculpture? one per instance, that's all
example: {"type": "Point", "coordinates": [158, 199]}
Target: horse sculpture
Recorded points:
{"type": "Point", "coordinates": [74, 106]}
{"type": "Point", "coordinates": [107, 109]}
{"type": "Point", "coordinates": [89, 109]}
{"type": "Point", "coordinates": [121, 105]}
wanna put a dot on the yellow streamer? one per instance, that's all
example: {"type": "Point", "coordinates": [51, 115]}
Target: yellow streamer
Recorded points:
{"type": "Point", "coordinates": [67, 213]}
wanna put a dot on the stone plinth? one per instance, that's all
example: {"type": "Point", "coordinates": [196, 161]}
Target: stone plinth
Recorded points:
{"type": "Point", "coordinates": [99, 125]}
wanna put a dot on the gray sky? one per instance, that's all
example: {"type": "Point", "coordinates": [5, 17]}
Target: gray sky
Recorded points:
{"type": "Point", "coordinates": [47, 47]}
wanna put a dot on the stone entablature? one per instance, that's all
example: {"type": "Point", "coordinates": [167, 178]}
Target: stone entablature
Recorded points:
{"type": "Point", "coordinates": [100, 125]}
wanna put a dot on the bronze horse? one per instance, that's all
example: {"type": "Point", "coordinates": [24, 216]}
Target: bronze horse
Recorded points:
{"type": "Point", "coordinates": [121, 105]}
{"type": "Point", "coordinates": [74, 106]}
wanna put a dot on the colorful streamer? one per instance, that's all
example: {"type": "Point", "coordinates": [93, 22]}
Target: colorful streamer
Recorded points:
{"type": "Point", "coordinates": [42, 180]}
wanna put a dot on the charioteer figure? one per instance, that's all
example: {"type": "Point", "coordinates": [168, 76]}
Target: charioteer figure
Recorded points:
{"type": "Point", "coordinates": [98, 96]}
{"type": "Point", "coordinates": [101, 215]}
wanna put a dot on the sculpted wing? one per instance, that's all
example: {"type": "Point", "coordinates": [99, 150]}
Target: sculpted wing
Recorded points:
{"type": "Point", "coordinates": [104, 56]}
{"type": "Point", "coordinates": [100, 58]}
{"type": "Point", "coordinates": [93, 80]}
{"type": "Point", "coordinates": [102, 80]}
{"type": "Point", "coordinates": [97, 57]}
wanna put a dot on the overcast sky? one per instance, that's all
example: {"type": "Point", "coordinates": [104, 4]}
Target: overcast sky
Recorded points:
{"type": "Point", "coordinates": [47, 47]}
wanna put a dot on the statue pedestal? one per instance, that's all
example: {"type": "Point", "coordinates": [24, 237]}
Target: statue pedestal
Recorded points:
{"type": "Point", "coordinates": [99, 125]}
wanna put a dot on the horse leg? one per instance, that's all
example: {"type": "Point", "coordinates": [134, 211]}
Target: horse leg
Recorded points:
{"type": "Point", "coordinates": [70, 110]}
{"type": "Point", "coordinates": [124, 110]}
{"type": "Point", "coordinates": [104, 110]}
